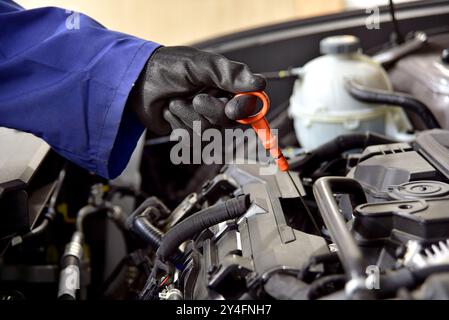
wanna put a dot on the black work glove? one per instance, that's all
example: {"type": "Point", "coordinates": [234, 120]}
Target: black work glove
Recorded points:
{"type": "Point", "coordinates": [182, 84]}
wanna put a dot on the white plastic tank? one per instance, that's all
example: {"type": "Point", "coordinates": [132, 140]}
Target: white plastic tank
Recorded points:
{"type": "Point", "coordinates": [320, 105]}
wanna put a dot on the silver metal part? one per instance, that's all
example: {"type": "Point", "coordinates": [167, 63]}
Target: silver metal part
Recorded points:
{"type": "Point", "coordinates": [96, 194]}
{"type": "Point", "coordinates": [439, 253]}
{"type": "Point", "coordinates": [416, 258]}
{"type": "Point", "coordinates": [171, 294]}
{"type": "Point", "coordinates": [69, 281]}
{"type": "Point", "coordinates": [75, 246]}
{"type": "Point", "coordinates": [69, 277]}
{"type": "Point", "coordinates": [413, 257]}
{"type": "Point", "coordinates": [354, 285]}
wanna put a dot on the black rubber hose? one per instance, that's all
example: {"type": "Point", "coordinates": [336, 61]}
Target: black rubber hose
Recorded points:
{"type": "Point", "coordinates": [147, 232]}
{"type": "Point", "coordinates": [421, 274]}
{"type": "Point", "coordinates": [348, 251]}
{"type": "Point", "coordinates": [318, 288]}
{"type": "Point", "coordinates": [141, 227]}
{"type": "Point", "coordinates": [407, 102]}
{"type": "Point", "coordinates": [188, 228]}
{"type": "Point", "coordinates": [85, 212]}
{"type": "Point", "coordinates": [309, 163]}
{"type": "Point", "coordinates": [329, 257]}
{"type": "Point", "coordinates": [51, 212]}
{"type": "Point", "coordinates": [391, 282]}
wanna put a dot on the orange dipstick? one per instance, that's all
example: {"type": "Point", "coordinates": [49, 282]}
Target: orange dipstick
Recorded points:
{"type": "Point", "coordinates": [262, 128]}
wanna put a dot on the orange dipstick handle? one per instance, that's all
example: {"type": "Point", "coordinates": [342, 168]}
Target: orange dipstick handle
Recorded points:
{"type": "Point", "coordinates": [262, 128]}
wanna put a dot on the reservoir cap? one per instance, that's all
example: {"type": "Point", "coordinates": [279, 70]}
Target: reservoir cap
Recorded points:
{"type": "Point", "coordinates": [339, 44]}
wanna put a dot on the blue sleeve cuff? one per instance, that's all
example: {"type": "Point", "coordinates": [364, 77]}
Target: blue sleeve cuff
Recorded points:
{"type": "Point", "coordinates": [121, 128]}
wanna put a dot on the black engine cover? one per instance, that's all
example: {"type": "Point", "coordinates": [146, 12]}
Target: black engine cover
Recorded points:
{"type": "Point", "coordinates": [407, 190]}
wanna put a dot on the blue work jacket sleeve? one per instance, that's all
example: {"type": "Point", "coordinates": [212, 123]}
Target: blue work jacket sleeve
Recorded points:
{"type": "Point", "coordinates": [66, 79]}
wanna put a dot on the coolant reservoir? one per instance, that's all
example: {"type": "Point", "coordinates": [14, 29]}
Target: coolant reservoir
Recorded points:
{"type": "Point", "coordinates": [320, 106]}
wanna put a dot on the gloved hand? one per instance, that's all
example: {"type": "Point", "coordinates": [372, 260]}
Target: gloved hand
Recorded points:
{"type": "Point", "coordinates": [182, 84]}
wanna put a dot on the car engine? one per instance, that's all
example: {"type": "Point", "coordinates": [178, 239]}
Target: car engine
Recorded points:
{"type": "Point", "coordinates": [295, 241]}
{"type": "Point", "coordinates": [301, 234]}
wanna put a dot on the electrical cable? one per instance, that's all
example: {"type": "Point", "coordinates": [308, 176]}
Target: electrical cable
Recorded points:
{"type": "Point", "coordinates": [399, 38]}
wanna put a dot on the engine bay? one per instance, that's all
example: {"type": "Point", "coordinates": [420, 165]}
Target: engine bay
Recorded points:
{"type": "Point", "coordinates": [361, 213]}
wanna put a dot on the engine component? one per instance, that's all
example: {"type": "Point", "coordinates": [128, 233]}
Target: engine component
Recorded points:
{"type": "Point", "coordinates": [394, 193]}
{"type": "Point", "coordinates": [382, 169]}
{"type": "Point", "coordinates": [311, 161]}
{"type": "Point", "coordinates": [20, 157]}
{"type": "Point", "coordinates": [436, 287]}
{"type": "Point", "coordinates": [69, 278]}
{"type": "Point", "coordinates": [149, 233]}
{"type": "Point", "coordinates": [439, 253]}
{"type": "Point", "coordinates": [434, 146]}
{"type": "Point", "coordinates": [436, 254]}
{"type": "Point", "coordinates": [419, 190]}
{"type": "Point", "coordinates": [49, 215]}
{"type": "Point", "coordinates": [72, 258]}
{"type": "Point", "coordinates": [230, 209]}
{"type": "Point", "coordinates": [139, 223]}
{"type": "Point", "coordinates": [171, 294]}
{"type": "Point", "coordinates": [233, 260]}
{"type": "Point", "coordinates": [425, 74]}
{"type": "Point", "coordinates": [389, 57]}
{"type": "Point", "coordinates": [320, 116]}
{"type": "Point", "coordinates": [425, 220]}
{"type": "Point", "coordinates": [349, 252]}
{"type": "Point", "coordinates": [405, 171]}
{"type": "Point", "coordinates": [407, 102]}
{"type": "Point", "coordinates": [406, 197]}
{"type": "Point", "coordinates": [189, 205]}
